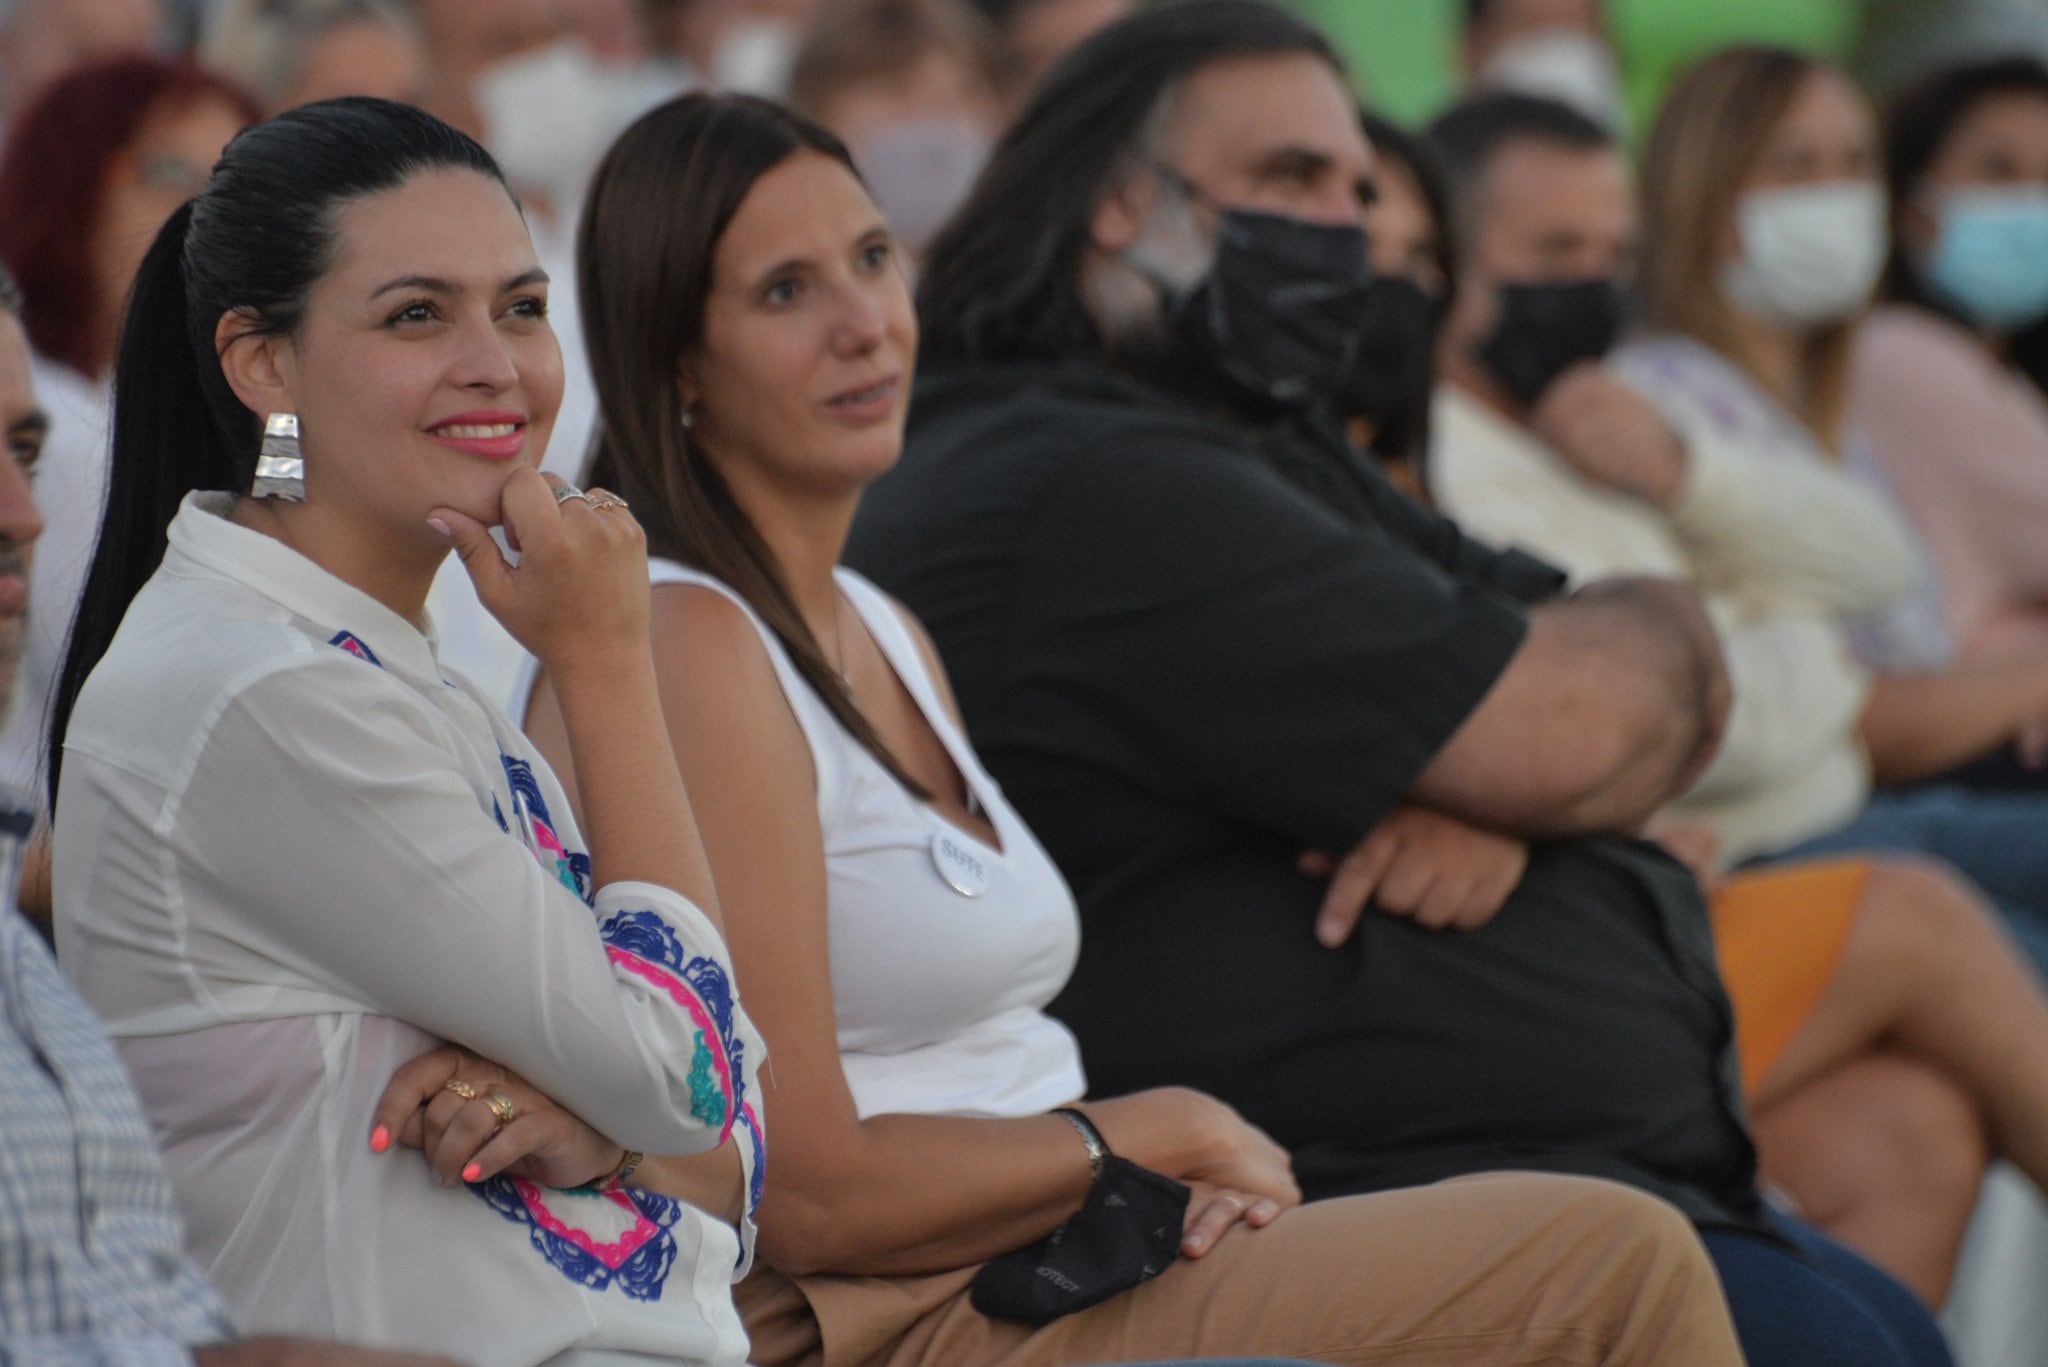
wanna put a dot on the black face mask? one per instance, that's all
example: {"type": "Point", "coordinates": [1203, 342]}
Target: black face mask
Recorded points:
{"type": "Point", "coordinates": [1545, 330]}
{"type": "Point", "coordinates": [1394, 365]}
{"type": "Point", "coordinates": [1279, 313]}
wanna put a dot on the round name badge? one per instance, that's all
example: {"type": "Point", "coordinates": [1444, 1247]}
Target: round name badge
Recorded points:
{"type": "Point", "coordinates": [963, 865]}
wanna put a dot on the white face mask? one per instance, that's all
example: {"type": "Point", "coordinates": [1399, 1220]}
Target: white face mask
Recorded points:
{"type": "Point", "coordinates": [919, 171]}
{"type": "Point", "coordinates": [754, 56]}
{"type": "Point", "coordinates": [550, 114]}
{"type": "Point", "coordinates": [1566, 64]}
{"type": "Point", "coordinates": [1810, 253]}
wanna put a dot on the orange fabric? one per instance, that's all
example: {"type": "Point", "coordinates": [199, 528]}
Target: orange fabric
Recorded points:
{"type": "Point", "coordinates": [1779, 933]}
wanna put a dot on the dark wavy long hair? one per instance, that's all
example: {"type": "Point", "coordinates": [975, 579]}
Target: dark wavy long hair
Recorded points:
{"type": "Point", "coordinates": [1001, 282]}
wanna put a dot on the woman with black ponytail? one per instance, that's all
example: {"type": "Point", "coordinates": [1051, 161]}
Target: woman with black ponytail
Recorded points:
{"type": "Point", "coordinates": [328, 900]}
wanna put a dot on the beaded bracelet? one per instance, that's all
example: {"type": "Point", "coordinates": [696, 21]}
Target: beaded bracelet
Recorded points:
{"type": "Point", "coordinates": [629, 1163]}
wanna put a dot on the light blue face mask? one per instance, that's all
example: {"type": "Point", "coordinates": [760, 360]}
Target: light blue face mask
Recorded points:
{"type": "Point", "coordinates": [1990, 259]}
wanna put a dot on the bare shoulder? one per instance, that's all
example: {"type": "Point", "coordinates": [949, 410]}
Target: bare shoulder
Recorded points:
{"type": "Point", "coordinates": [707, 644]}
{"type": "Point", "coordinates": [704, 619]}
{"type": "Point", "coordinates": [719, 685]}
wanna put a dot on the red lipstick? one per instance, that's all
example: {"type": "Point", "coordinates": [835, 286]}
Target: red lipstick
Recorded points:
{"type": "Point", "coordinates": [493, 433]}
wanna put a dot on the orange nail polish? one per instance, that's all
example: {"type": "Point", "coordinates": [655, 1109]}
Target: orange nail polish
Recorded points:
{"type": "Point", "coordinates": [472, 1172]}
{"type": "Point", "coordinates": [380, 1139]}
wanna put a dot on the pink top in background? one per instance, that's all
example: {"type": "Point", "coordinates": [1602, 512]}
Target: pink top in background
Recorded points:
{"type": "Point", "coordinates": [1962, 440]}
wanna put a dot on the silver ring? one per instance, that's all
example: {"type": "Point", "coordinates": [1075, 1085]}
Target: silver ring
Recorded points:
{"type": "Point", "coordinates": [565, 492]}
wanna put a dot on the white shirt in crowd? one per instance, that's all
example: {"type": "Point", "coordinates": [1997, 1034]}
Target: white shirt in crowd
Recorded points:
{"type": "Point", "coordinates": [1791, 765]}
{"type": "Point", "coordinates": [295, 852]}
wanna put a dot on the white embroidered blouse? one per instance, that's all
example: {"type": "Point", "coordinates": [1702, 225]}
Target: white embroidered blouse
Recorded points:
{"type": "Point", "coordinates": [293, 852]}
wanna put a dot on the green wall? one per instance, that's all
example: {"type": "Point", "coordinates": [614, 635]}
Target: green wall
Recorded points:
{"type": "Point", "coordinates": [1404, 52]}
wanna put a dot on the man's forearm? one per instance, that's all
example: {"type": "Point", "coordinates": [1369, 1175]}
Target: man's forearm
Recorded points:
{"type": "Point", "coordinates": [1612, 704]}
{"type": "Point", "coordinates": [1698, 669]}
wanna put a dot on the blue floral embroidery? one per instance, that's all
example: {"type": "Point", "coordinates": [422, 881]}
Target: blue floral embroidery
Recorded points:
{"type": "Point", "coordinates": [757, 1180]}
{"type": "Point", "coordinates": [707, 977]}
{"type": "Point", "coordinates": [571, 866]}
{"type": "Point", "coordinates": [640, 1274]}
{"type": "Point", "coordinates": [645, 936]}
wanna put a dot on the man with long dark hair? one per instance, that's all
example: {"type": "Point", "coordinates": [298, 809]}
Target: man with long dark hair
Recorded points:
{"type": "Point", "coordinates": [1194, 636]}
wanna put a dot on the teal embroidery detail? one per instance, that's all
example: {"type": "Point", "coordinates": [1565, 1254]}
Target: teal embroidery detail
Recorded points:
{"type": "Point", "coordinates": [707, 1098]}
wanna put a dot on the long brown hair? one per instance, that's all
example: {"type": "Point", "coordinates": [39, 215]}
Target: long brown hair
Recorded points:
{"type": "Point", "coordinates": [659, 205]}
{"type": "Point", "coordinates": [1707, 139]}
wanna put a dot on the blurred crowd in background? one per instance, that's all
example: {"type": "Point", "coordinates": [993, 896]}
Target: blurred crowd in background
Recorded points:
{"type": "Point", "coordinates": [917, 87]}
{"type": "Point", "coordinates": [113, 112]}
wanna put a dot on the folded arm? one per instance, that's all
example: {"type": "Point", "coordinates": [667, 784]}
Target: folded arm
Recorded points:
{"type": "Point", "coordinates": [1613, 705]}
{"type": "Point", "coordinates": [412, 899]}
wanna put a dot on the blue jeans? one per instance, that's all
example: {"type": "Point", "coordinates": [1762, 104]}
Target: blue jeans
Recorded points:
{"type": "Point", "coordinates": [1828, 1308]}
{"type": "Point", "coordinates": [1997, 840]}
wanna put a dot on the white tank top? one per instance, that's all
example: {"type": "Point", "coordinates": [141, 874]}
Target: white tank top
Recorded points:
{"type": "Point", "coordinates": [944, 951]}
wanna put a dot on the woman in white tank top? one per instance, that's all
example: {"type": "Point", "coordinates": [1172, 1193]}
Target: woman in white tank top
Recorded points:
{"type": "Point", "coordinates": [897, 931]}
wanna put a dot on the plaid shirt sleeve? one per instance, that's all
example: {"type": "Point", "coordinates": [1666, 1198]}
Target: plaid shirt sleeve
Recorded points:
{"type": "Point", "coordinates": [91, 1263]}
{"type": "Point", "coordinates": [81, 1350]}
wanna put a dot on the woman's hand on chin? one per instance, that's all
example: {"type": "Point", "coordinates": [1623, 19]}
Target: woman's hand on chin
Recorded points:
{"type": "Point", "coordinates": [473, 1120]}
{"type": "Point", "coordinates": [579, 592]}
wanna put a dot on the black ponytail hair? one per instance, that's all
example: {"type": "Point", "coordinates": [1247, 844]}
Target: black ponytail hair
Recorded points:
{"type": "Point", "coordinates": [254, 242]}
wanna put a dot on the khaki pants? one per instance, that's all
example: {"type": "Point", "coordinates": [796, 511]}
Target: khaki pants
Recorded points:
{"type": "Point", "coordinates": [1498, 1268]}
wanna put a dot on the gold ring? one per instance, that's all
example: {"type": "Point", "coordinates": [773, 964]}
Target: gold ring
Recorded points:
{"type": "Point", "coordinates": [460, 1088]}
{"type": "Point", "coordinates": [601, 499]}
{"type": "Point", "coordinates": [501, 1107]}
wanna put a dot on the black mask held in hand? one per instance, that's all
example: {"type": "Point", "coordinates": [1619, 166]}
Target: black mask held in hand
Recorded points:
{"type": "Point", "coordinates": [1127, 1232]}
{"type": "Point", "coordinates": [1545, 330]}
{"type": "Point", "coordinates": [1394, 365]}
{"type": "Point", "coordinates": [1278, 315]}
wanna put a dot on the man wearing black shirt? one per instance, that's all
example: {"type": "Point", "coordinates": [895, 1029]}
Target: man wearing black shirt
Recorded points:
{"type": "Point", "coordinates": [1195, 637]}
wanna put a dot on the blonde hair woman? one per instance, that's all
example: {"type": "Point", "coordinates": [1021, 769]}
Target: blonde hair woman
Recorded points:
{"type": "Point", "coordinates": [1765, 231]}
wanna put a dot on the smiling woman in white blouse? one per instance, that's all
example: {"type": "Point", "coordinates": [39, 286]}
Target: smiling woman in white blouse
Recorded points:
{"type": "Point", "coordinates": [329, 902]}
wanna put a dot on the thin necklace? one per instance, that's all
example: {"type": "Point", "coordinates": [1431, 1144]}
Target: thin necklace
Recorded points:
{"type": "Point", "coordinates": [839, 646]}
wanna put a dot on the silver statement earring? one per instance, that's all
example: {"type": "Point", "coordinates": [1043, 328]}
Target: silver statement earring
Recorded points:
{"type": "Point", "coordinates": [280, 470]}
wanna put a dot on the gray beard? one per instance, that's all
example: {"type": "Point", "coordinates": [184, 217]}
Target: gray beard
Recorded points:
{"type": "Point", "coordinates": [1127, 295]}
